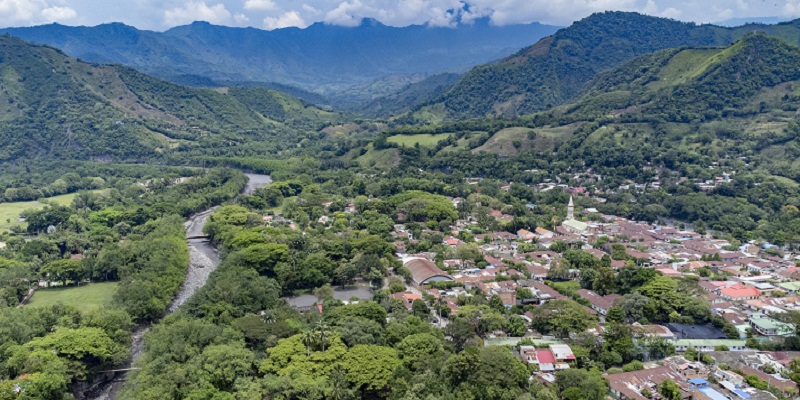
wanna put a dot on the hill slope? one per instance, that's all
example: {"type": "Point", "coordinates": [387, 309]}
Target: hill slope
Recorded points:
{"type": "Point", "coordinates": [55, 106]}
{"type": "Point", "coordinates": [676, 112]}
{"type": "Point", "coordinates": [309, 58]}
{"type": "Point", "coordinates": [556, 69]}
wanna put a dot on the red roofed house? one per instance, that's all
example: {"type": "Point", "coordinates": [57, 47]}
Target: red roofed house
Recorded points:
{"type": "Point", "coordinates": [544, 233]}
{"type": "Point", "coordinates": [407, 298]}
{"type": "Point", "coordinates": [739, 293]}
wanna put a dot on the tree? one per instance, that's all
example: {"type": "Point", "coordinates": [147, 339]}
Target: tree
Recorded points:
{"type": "Point", "coordinates": [308, 339]}
{"type": "Point", "coordinates": [459, 332]}
{"type": "Point", "coordinates": [65, 271]}
{"type": "Point", "coordinates": [83, 349]}
{"type": "Point", "coordinates": [323, 293]}
{"type": "Point", "coordinates": [365, 309]}
{"type": "Point", "coordinates": [293, 354]}
{"type": "Point", "coordinates": [517, 326]}
{"type": "Point", "coordinates": [419, 347]}
{"type": "Point", "coordinates": [370, 368]}
{"type": "Point", "coordinates": [345, 274]}
{"type": "Point", "coordinates": [669, 389]}
{"type": "Point", "coordinates": [420, 309]}
{"type": "Point", "coordinates": [562, 317]}
{"type": "Point", "coordinates": [581, 384]}
{"type": "Point", "coordinates": [634, 365]}
{"type": "Point", "coordinates": [224, 363]}
{"type": "Point", "coordinates": [605, 282]}
{"type": "Point", "coordinates": [264, 257]}
{"type": "Point", "coordinates": [358, 330]}
{"type": "Point", "coordinates": [615, 314]}
{"type": "Point", "coordinates": [321, 330]}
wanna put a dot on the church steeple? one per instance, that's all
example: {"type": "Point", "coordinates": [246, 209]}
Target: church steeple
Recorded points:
{"type": "Point", "coordinates": [570, 210]}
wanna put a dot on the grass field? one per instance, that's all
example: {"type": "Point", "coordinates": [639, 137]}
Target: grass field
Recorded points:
{"type": "Point", "coordinates": [382, 159]}
{"type": "Point", "coordinates": [425, 140]}
{"type": "Point", "coordinates": [9, 212]}
{"type": "Point", "coordinates": [85, 298]}
{"type": "Point", "coordinates": [568, 286]}
{"type": "Point", "coordinates": [502, 143]}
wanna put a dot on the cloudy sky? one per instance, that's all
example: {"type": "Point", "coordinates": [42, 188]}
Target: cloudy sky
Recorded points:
{"type": "Point", "coordinates": [271, 14]}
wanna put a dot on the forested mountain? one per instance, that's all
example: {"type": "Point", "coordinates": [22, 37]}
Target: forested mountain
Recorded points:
{"type": "Point", "coordinates": [309, 58]}
{"type": "Point", "coordinates": [55, 106]}
{"type": "Point", "coordinates": [669, 121]}
{"type": "Point", "coordinates": [555, 70]}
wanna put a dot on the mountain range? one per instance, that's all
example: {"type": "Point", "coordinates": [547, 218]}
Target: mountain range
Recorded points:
{"type": "Point", "coordinates": [322, 58]}
{"type": "Point", "coordinates": [687, 110]}
{"type": "Point", "coordinates": [54, 106]}
{"type": "Point", "coordinates": [556, 69]}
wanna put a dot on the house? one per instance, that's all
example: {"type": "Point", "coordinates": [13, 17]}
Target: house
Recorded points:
{"type": "Point", "coordinates": [537, 271]}
{"type": "Point", "coordinates": [629, 385]}
{"type": "Point", "coordinates": [652, 331]}
{"type": "Point", "coordinates": [782, 384]}
{"type": "Point", "coordinates": [769, 327]}
{"type": "Point", "coordinates": [562, 352]}
{"type": "Point", "coordinates": [790, 288]}
{"type": "Point", "coordinates": [424, 271]}
{"type": "Point", "coordinates": [525, 235]}
{"type": "Point", "coordinates": [739, 293]}
{"type": "Point", "coordinates": [407, 298]}
{"type": "Point", "coordinates": [709, 344]}
{"type": "Point", "coordinates": [495, 262]}
{"type": "Point", "coordinates": [601, 304]}
{"type": "Point", "coordinates": [544, 233]}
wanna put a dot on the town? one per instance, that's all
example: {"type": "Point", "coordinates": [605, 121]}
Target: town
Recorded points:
{"type": "Point", "coordinates": [722, 352]}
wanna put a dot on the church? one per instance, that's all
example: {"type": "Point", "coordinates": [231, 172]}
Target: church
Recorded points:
{"type": "Point", "coordinates": [571, 224]}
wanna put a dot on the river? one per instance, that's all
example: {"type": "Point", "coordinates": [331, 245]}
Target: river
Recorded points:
{"type": "Point", "coordinates": [203, 260]}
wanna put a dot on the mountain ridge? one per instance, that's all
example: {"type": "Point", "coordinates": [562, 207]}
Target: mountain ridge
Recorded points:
{"type": "Point", "coordinates": [52, 105]}
{"type": "Point", "coordinates": [307, 58]}
{"type": "Point", "coordinates": [556, 69]}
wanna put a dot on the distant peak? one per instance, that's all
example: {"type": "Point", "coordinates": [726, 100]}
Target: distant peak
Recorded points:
{"type": "Point", "coordinates": [370, 22]}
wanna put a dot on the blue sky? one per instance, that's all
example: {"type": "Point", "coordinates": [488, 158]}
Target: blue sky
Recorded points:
{"type": "Point", "coordinates": [271, 14]}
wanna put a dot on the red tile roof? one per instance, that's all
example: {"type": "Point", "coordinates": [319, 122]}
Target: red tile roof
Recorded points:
{"type": "Point", "coordinates": [737, 292]}
{"type": "Point", "coordinates": [545, 357]}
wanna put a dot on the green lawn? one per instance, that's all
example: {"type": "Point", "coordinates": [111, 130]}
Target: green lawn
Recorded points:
{"type": "Point", "coordinates": [426, 140]}
{"type": "Point", "coordinates": [85, 298]}
{"type": "Point", "coordinates": [570, 286]}
{"type": "Point", "coordinates": [9, 212]}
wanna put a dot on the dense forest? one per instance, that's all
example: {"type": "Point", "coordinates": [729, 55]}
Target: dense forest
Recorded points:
{"type": "Point", "coordinates": [131, 234]}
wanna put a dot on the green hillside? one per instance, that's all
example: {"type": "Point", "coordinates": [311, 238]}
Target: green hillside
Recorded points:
{"type": "Point", "coordinates": [55, 106]}
{"type": "Point", "coordinates": [557, 69]}
{"type": "Point", "coordinates": [677, 110]}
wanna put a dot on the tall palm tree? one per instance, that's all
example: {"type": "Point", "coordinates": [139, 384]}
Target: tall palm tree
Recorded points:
{"type": "Point", "coordinates": [309, 337]}
{"type": "Point", "coordinates": [322, 329]}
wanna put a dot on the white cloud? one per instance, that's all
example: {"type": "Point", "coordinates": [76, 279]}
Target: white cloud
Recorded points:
{"type": "Point", "coordinates": [311, 10]}
{"type": "Point", "coordinates": [241, 18]}
{"type": "Point", "coordinates": [159, 14]}
{"type": "Point", "coordinates": [197, 11]}
{"type": "Point", "coordinates": [29, 12]}
{"type": "Point", "coordinates": [261, 5]}
{"type": "Point", "coordinates": [347, 13]}
{"type": "Point", "coordinates": [287, 19]}
{"type": "Point", "coordinates": [59, 14]}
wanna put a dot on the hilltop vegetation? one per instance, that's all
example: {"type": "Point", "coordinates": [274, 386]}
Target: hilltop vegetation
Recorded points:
{"type": "Point", "coordinates": [555, 70]}
{"type": "Point", "coordinates": [55, 106]}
